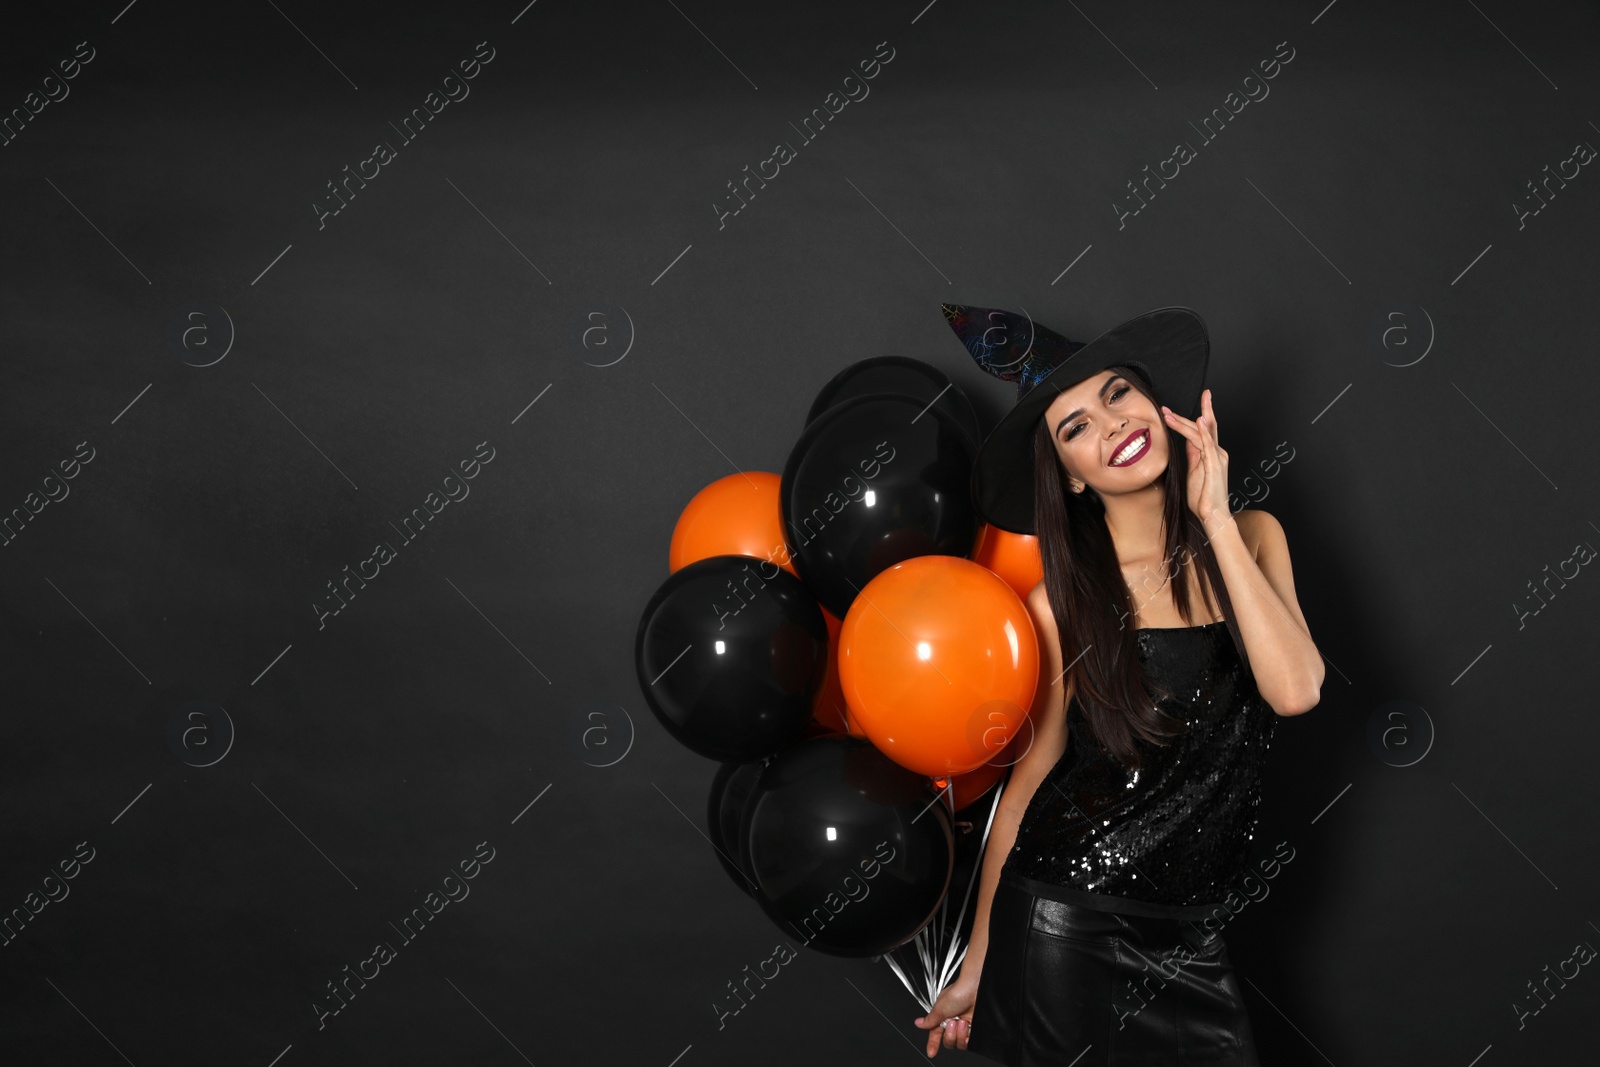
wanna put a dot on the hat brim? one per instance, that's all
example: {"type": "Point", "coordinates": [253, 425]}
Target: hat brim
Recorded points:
{"type": "Point", "coordinates": [1170, 343]}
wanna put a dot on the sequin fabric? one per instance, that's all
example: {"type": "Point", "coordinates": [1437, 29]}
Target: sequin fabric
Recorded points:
{"type": "Point", "coordinates": [1177, 831]}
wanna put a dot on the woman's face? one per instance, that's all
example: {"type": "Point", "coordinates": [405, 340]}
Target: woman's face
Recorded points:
{"type": "Point", "coordinates": [1108, 435]}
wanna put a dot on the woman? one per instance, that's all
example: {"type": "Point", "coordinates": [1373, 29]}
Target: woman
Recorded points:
{"type": "Point", "coordinates": [1172, 640]}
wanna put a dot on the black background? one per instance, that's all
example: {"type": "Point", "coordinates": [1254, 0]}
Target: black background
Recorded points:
{"type": "Point", "coordinates": [1378, 179]}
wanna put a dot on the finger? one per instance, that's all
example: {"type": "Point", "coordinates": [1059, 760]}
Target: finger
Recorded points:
{"type": "Point", "coordinates": [1181, 424]}
{"type": "Point", "coordinates": [1177, 420]}
{"type": "Point", "coordinates": [1194, 444]}
{"type": "Point", "coordinates": [1206, 428]}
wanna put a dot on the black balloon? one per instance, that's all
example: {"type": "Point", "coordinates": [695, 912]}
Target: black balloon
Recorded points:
{"type": "Point", "coordinates": [961, 903]}
{"type": "Point", "coordinates": [873, 481]}
{"type": "Point", "coordinates": [729, 654]}
{"type": "Point", "coordinates": [903, 376]}
{"type": "Point", "coordinates": [851, 852]}
{"type": "Point", "coordinates": [725, 808]}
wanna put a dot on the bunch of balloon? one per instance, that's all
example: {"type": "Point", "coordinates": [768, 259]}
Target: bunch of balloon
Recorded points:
{"type": "Point", "coordinates": [932, 959]}
{"type": "Point", "coordinates": [767, 649]}
{"type": "Point", "coordinates": [939, 662]}
{"type": "Point", "coordinates": [732, 649]}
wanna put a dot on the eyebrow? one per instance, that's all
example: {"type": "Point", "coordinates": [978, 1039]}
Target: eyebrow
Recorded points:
{"type": "Point", "coordinates": [1109, 382]}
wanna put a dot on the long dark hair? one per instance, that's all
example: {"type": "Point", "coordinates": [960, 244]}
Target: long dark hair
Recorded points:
{"type": "Point", "coordinates": [1089, 595]}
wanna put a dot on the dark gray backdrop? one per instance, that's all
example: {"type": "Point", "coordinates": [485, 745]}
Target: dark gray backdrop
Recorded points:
{"type": "Point", "coordinates": [1379, 307]}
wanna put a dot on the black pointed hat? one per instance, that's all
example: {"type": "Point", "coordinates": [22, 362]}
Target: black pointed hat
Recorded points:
{"type": "Point", "coordinates": [1169, 344]}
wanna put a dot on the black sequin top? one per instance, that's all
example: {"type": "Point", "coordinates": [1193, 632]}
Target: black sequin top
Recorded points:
{"type": "Point", "coordinates": [1176, 832]}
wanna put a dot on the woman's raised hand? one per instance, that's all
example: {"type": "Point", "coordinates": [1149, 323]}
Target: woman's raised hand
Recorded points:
{"type": "Point", "coordinates": [1208, 463]}
{"type": "Point", "coordinates": [953, 1009]}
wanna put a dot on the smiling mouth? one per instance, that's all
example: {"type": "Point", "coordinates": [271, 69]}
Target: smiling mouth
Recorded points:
{"type": "Point", "coordinates": [1133, 451]}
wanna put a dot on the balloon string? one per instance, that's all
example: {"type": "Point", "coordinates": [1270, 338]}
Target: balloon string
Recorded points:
{"type": "Point", "coordinates": [947, 794]}
{"type": "Point", "coordinates": [925, 957]}
{"type": "Point", "coordinates": [966, 897]}
{"type": "Point", "coordinates": [925, 952]}
{"type": "Point", "coordinates": [927, 947]}
{"type": "Point", "coordinates": [927, 1005]}
{"type": "Point", "coordinates": [951, 971]}
{"type": "Point", "coordinates": [929, 941]}
{"type": "Point", "coordinates": [900, 959]}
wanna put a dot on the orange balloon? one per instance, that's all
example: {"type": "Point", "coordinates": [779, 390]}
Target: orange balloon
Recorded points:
{"type": "Point", "coordinates": [734, 516]}
{"type": "Point", "coordinates": [1012, 556]}
{"type": "Point", "coordinates": [939, 662]}
{"type": "Point", "coordinates": [816, 729]}
{"type": "Point", "coordinates": [966, 788]}
{"type": "Point", "coordinates": [830, 708]}
{"type": "Point", "coordinates": [960, 790]}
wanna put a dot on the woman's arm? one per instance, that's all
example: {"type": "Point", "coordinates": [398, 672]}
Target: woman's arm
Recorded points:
{"type": "Point", "coordinates": [949, 1023]}
{"type": "Point", "coordinates": [1002, 837]}
{"type": "Point", "coordinates": [1049, 719]}
{"type": "Point", "coordinates": [1285, 661]}
{"type": "Point", "coordinates": [1287, 666]}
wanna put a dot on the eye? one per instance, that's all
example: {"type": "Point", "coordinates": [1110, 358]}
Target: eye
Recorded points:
{"type": "Point", "coordinates": [1116, 395]}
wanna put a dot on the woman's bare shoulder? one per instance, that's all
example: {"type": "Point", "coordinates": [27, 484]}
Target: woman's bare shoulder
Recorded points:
{"type": "Point", "coordinates": [1039, 600]}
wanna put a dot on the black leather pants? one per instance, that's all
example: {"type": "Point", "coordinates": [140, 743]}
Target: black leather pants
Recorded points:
{"type": "Point", "coordinates": [1066, 984]}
